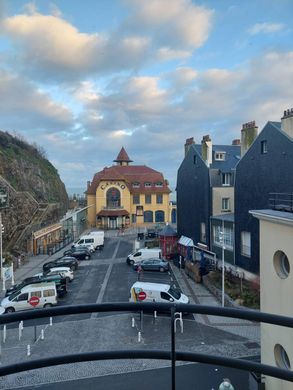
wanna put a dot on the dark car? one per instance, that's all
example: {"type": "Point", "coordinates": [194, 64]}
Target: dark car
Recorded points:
{"type": "Point", "coordinates": [65, 261]}
{"type": "Point", "coordinates": [152, 265]}
{"type": "Point", "coordinates": [61, 284]}
{"type": "Point", "coordinates": [80, 253]}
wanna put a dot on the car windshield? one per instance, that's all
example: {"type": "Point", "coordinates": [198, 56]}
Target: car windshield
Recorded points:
{"type": "Point", "coordinates": [174, 292]}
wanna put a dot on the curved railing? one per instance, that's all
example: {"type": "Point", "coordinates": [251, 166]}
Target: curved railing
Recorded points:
{"type": "Point", "coordinates": [171, 355]}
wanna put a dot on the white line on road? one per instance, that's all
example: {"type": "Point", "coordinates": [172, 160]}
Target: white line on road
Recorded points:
{"type": "Point", "coordinates": [105, 282]}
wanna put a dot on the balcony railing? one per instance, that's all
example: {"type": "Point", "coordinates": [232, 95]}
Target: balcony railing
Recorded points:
{"type": "Point", "coordinates": [112, 208]}
{"type": "Point", "coordinates": [281, 201]}
{"type": "Point", "coordinates": [171, 355]}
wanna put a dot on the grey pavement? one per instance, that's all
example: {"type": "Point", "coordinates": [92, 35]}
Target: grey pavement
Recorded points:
{"type": "Point", "coordinates": [206, 334]}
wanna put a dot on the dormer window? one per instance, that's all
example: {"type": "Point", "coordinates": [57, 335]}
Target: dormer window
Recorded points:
{"type": "Point", "coordinates": [159, 184]}
{"type": "Point", "coordinates": [135, 184]}
{"type": "Point", "coordinates": [147, 184]}
{"type": "Point", "coordinates": [220, 156]}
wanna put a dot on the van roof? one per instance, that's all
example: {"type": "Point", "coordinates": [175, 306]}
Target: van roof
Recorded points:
{"type": "Point", "coordinates": [39, 285]}
{"type": "Point", "coordinates": [149, 250]}
{"type": "Point", "coordinates": [151, 286]}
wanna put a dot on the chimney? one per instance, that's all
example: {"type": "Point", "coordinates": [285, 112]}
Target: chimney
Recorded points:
{"type": "Point", "coordinates": [287, 122]}
{"type": "Point", "coordinates": [236, 142]}
{"type": "Point", "coordinates": [88, 184]}
{"type": "Point", "coordinates": [249, 133]}
{"type": "Point", "coordinates": [206, 150]}
{"type": "Point", "coordinates": [188, 143]}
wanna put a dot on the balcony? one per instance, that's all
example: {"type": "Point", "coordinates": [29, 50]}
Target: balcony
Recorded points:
{"type": "Point", "coordinates": [281, 201]}
{"type": "Point", "coordinates": [172, 352]}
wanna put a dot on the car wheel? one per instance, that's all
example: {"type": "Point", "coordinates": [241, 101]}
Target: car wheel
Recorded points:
{"type": "Point", "coordinates": [47, 305]}
{"type": "Point", "coordinates": [162, 269]}
{"type": "Point", "coordinates": [10, 310]}
{"type": "Point", "coordinates": [87, 257]}
{"type": "Point", "coordinates": [131, 262]}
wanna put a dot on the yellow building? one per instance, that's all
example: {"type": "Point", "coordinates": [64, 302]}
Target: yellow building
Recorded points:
{"type": "Point", "coordinates": [124, 195]}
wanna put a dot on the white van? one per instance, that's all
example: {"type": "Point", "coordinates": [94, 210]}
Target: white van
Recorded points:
{"type": "Point", "coordinates": [99, 237]}
{"type": "Point", "coordinates": [36, 295]}
{"type": "Point", "coordinates": [143, 254]}
{"type": "Point", "coordinates": [92, 241]}
{"type": "Point", "coordinates": [156, 292]}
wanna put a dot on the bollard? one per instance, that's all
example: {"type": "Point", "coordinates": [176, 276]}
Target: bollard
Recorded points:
{"type": "Point", "coordinates": [20, 331]}
{"type": "Point", "coordinates": [28, 350]}
{"type": "Point", "coordinates": [155, 314]}
{"type": "Point", "coordinates": [132, 322]}
{"type": "Point", "coordinates": [42, 334]}
{"type": "Point", "coordinates": [4, 333]}
{"type": "Point", "coordinates": [51, 321]}
{"type": "Point", "coordinates": [21, 323]}
{"type": "Point", "coordinates": [139, 337]}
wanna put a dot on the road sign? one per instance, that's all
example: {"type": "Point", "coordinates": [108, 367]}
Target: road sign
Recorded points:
{"type": "Point", "coordinates": [34, 301]}
{"type": "Point", "coordinates": [141, 296]}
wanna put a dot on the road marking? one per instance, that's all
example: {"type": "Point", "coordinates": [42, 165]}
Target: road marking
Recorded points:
{"type": "Point", "coordinates": [106, 279]}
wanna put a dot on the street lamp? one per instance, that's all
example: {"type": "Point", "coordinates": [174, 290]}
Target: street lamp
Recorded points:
{"type": "Point", "coordinates": [226, 385]}
{"type": "Point", "coordinates": [222, 241]}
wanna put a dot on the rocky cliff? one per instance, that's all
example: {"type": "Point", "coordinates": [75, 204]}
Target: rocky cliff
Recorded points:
{"type": "Point", "coordinates": [35, 191]}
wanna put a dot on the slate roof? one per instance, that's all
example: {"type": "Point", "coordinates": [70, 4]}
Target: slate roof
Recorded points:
{"type": "Point", "coordinates": [167, 231]}
{"type": "Point", "coordinates": [232, 153]}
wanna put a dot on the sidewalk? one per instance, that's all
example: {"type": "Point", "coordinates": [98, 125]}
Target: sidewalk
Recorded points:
{"type": "Point", "coordinates": [200, 295]}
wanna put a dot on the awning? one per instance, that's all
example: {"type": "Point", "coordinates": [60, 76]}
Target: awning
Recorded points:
{"type": "Point", "coordinates": [47, 230]}
{"type": "Point", "coordinates": [186, 241]}
{"type": "Point", "coordinates": [112, 213]}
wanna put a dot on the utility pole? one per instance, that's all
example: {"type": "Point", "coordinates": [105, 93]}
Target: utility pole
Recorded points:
{"type": "Point", "coordinates": [222, 240]}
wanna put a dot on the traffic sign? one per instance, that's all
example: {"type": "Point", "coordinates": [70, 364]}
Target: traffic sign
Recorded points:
{"type": "Point", "coordinates": [141, 296]}
{"type": "Point", "coordinates": [34, 301]}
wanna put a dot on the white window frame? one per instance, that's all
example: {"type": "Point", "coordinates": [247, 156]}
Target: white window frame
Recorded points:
{"type": "Point", "coordinates": [226, 204]}
{"type": "Point", "coordinates": [220, 156]}
{"type": "Point", "coordinates": [246, 244]}
{"type": "Point", "coordinates": [135, 185]}
{"type": "Point", "coordinates": [147, 184]}
{"type": "Point", "coordinates": [228, 237]}
{"type": "Point", "coordinates": [226, 179]}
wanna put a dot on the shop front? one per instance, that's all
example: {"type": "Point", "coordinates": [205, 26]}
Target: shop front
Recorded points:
{"type": "Point", "coordinates": [113, 219]}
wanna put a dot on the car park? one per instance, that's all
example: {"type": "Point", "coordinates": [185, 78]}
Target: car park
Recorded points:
{"type": "Point", "coordinates": [153, 264]}
{"type": "Point", "coordinates": [80, 253]}
{"type": "Point", "coordinates": [59, 280]}
{"type": "Point", "coordinates": [65, 261]}
{"type": "Point", "coordinates": [66, 272]}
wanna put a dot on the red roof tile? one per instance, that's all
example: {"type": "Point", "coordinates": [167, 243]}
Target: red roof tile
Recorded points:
{"type": "Point", "coordinates": [122, 156]}
{"type": "Point", "coordinates": [112, 213]}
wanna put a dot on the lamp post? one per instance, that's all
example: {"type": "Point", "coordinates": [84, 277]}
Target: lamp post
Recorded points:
{"type": "Point", "coordinates": [222, 240]}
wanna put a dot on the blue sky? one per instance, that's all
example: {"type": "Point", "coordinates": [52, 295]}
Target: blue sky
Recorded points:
{"type": "Point", "coordinates": [84, 78]}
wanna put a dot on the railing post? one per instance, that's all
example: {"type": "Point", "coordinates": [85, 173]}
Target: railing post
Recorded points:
{"type": "Point", "coordinates": [173, 357]}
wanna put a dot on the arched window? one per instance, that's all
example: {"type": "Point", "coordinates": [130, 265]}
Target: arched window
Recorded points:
{"type": "Point", "coordinates": [113, 197]}
{"type": "Point", "coordinates": [160, 216]}
{"type": "Point", "coordinates": [148, 216]}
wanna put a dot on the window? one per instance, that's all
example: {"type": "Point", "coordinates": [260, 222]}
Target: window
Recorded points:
{"type": "Point", "coordinates": [148, 199]}
{"type": "Point", "coordinates": [281, 357]}
{"type": "Point", "coordinates": [136, 185]}
{"type": "Point", "coordinates": [148, 216]}
{"type": "Point", "coordinates": [228, 236]}
{"type": "Point", "coordinates": [264, 147]}
{"type": "Point", "coordinates": [203, 232]}
{"type": "Point", "coordinates": [147, 184]}
{"type": "Point", "coordinates": [22, 297]}
{"type": "Point", "coordinates": [113, 197]}
{"type": "Point", "coordinates": [226, 179]}
{"type": "Point", "coordinates": [220, 156]}
{"type": "Point", "coordinates": [36, 294]}
{"type": "Point", "coordinates": [133, 218]}
{"type": "Point", "coordinates": [49, 293]}
{"type": "Point", "coordinates": [246, 244]}
{"type": "Point", "coordinates": [159, 198]}
{"type": "Point", "coordinates": [136, 199]}
{"type": "Point", "coordinates": [166, 296]}
{"type": "Point", "coordinates": [226, 204]}
{"type": "Point", "coordinates": [195, 159]}
{"type": "Point", "coordinates": [159, 184]}
{"type": "Point", "coordinates": [281, 264]}
{"type": "Point", "coordinates": [159, 216]}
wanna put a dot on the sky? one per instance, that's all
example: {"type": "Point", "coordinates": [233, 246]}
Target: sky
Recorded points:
{"type": "Point", "coordinates": [84, 78]}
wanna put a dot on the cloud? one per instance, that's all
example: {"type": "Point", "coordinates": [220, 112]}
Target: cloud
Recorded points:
{"type": "Point", "coordinates": [49, 48]}
{"type": "Point", "coordinates": [265, 28]}
{"type": "Point", "coordinates": [24, 106]}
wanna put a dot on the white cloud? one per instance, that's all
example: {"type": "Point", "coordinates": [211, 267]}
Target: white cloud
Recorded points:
{"type": "Point", "coordinates": [265, 28]}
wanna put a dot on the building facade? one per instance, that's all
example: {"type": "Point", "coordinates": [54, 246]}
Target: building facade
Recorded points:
{"type": "Point", "coordinates": [126, 195]}
{"type": "Point", "coordinates": [265, 168]}
{"type": "Point", "coordinates": [205, 187]}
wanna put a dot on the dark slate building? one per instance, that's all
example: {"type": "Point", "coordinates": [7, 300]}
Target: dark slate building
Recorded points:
{"type": "Point", "coordinates": [265, 168]}
{"type": "Point", "coordinates": [205, 187]}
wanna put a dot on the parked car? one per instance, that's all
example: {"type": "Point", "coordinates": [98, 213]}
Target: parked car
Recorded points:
{"type": "Point", "coordinates": [60, 281]}
{"type": "Point", "coordinates": [80, 253]}
{"type": "Point", "coordinates": [65, 261]}
{"type": "Point", "coordinates": [153, 264]}
{"type": "Point", "coordinates": [65, 272]}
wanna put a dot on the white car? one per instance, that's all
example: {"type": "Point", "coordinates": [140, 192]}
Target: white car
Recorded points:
{"type": "Point", "coordinates": [65, 272]}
